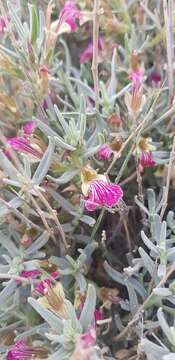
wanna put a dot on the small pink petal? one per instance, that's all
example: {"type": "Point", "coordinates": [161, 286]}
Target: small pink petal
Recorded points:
{"type": "Point", "coordinates": [87, 54]}
{"type": "Point", "coordinates": [88, 339]}
{"type": "Point", "coordinates": [23, 145]}
{"type": "Point", "coordinates": [98, 315]}
{"type": "Point", "coordinates": [20, 351]}
{"type": "Point", "coordinates": [146, 160]}
{"type": "Point", "coordinates": [69, 14]}
{"type": "Point", "coordinates": [4, 21]}
{"type": "Point", "coordinates": [43, 285]}
{"type": "Point", "coordinates": [29, 127]}
{"type": "Point", "coordinates": [155, 77]}
{"type": "Point", "coordinates": [136, 76]}
{"type": "Point", "coordinates": [30, 273]}
{"type": "Point", "coordinates": [104, 153]}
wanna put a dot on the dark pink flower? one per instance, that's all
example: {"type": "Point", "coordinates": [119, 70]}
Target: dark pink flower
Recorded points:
{"type": "Point", "coordinates": [21, 351]}
{"type": "Point", "coordinates": [69, 14]}
{"type": "Point", "coordinates": [146, 160]}
{"type": "Point", "coordinates": [30, 273]}
{"type": "Point", "coordinates": [23, 145]}
{"type": "Point", "coordinates": [87, 54]}
{"type": "Point", "coordinates": [29, 127]}
{"type": "Point", "coordinates": [155, 77]}
{"type": "Point", "coordinates": [104, 153]}
{"type": "Point", "coordinates": [98, 315]}
{"type": "Point", "coordinates": [43, 285]}
{"type": "Point", "coordinates": [102, 193]}
{"type": "Point", "coordinates": [4, 21]}
{"type": "Point", "coordinates": [88, 339]}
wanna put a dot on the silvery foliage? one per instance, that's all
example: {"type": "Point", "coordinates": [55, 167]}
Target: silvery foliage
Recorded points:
{"type": "Point", "coordinates": [64, 334]}
{"type": "Point", "coordinates": [147, 283]}
{"type": "Point", "coordinates": [14, 259]}
{"type": "Point", "coordinates": [75, 269]}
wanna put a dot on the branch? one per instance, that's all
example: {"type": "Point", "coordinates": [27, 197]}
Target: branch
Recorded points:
{"type": "Point", "coordinates": [142, 307]}
{"type": "Point", "coordinates": [168, 16]}
{"type": "Point", "coordinates": [165, 195]}
{"type": "Point", "coordinates": [95, 50]}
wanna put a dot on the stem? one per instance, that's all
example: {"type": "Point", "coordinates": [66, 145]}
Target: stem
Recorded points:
{"type": "Point", "coordinates": [95, 51]}
{"type": "Point", "coordinates": [123, 167]}
{"type": "Point", "coordinates": [142, 307]}
{"type": "Point", "coordinates": [166, 192]}
{"type": "Point", "coordinates": [53, 215]}
{"type": "Point", "coordinates": [168, 16]}
{"type": "Point", "coordinates": [97, 224]}
{"type": "Point", "coordinates": [14, 277]}
{"type": "Point", "coordinates": [19, 215]}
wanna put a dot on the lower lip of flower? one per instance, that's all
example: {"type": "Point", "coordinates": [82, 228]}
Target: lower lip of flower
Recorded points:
{"type": "Point", "coordinates": [101, 194]}
{"type": "Point", "coordinates": [146, 160]}
{"type": "Point", "coordinates": [23, 145]}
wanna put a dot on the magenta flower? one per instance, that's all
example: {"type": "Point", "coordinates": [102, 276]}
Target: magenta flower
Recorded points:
{"type": "Point", "coordinates": [146, 160]}
{"type": "Point", "coordinates": [87, 54]}
{"type": "Point", "coordinates": [97, 191]}
{"type": "Point", "coordinates": [29, 127]}
{"type": "Point", "coordinates": [23, 145]}
{"type": "Point", "coordinates": [102, 193]}
{"type": "Point", "coordinates": [155, 77]}
{"type": "Point", "coordinates": [30, 273]}
{"type": "Point", "coordinates": [136, 76]}
{"type": "Point", "coordinates": [4, 21]}
{"type": "Point", "coordinates": [43, 285]}
{"type": "Point", "coordinates": [21, 351]}
{"type": "Point", "coordinates": [69, 14]}
{"type": "Point", "coordinates": [104, 153]}
{"type": "Point", "coordinates": [98, 315]}
{"type": "Point", "coordinates": [88, 339]}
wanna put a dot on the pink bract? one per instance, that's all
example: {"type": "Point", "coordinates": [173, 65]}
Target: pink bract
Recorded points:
{"type": "Point", "coordinates": [102, 193]}
{"type": "Point", "coordinates": [69, 14]}
{"type": "Point", "coordinates": [104, 153]}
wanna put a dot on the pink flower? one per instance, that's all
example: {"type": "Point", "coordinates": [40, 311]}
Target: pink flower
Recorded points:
{"type": "Point", "coordinates": [21, 351]}
{"type": "Point", "coordinates": [29, 127]}
{"type": "Point", "coordinates": [69, 14]}
{"type": "Point", "coordinates": [87, 54]}
{"type": "Point", "coordinates": [23, 145]}
{"type": "Point", "coordinates": [146, 160]}
{"type": "Point", "coordinates": [97, 191]}
{"type": "Point", "coordinates": [4, 21]}
{"type": "Point", "coordinates": [136, 76]}
{"type": "Point", "coordinates": [104, 153]}
{"type": "Point", "coordinates": [88, 339]}
{"type": "Point", "coordinates": [43, 285]}
{"type": "Point", "coordinates": [137, 73]}
{"type": "Point", "coordinates": [98, 315]}
{"type": "Point", "coordinates": [155, 77]}
{"type": "Point", "coordinates": [30, 273]}
{"type": "Point", "coordinates": [102, 193]}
